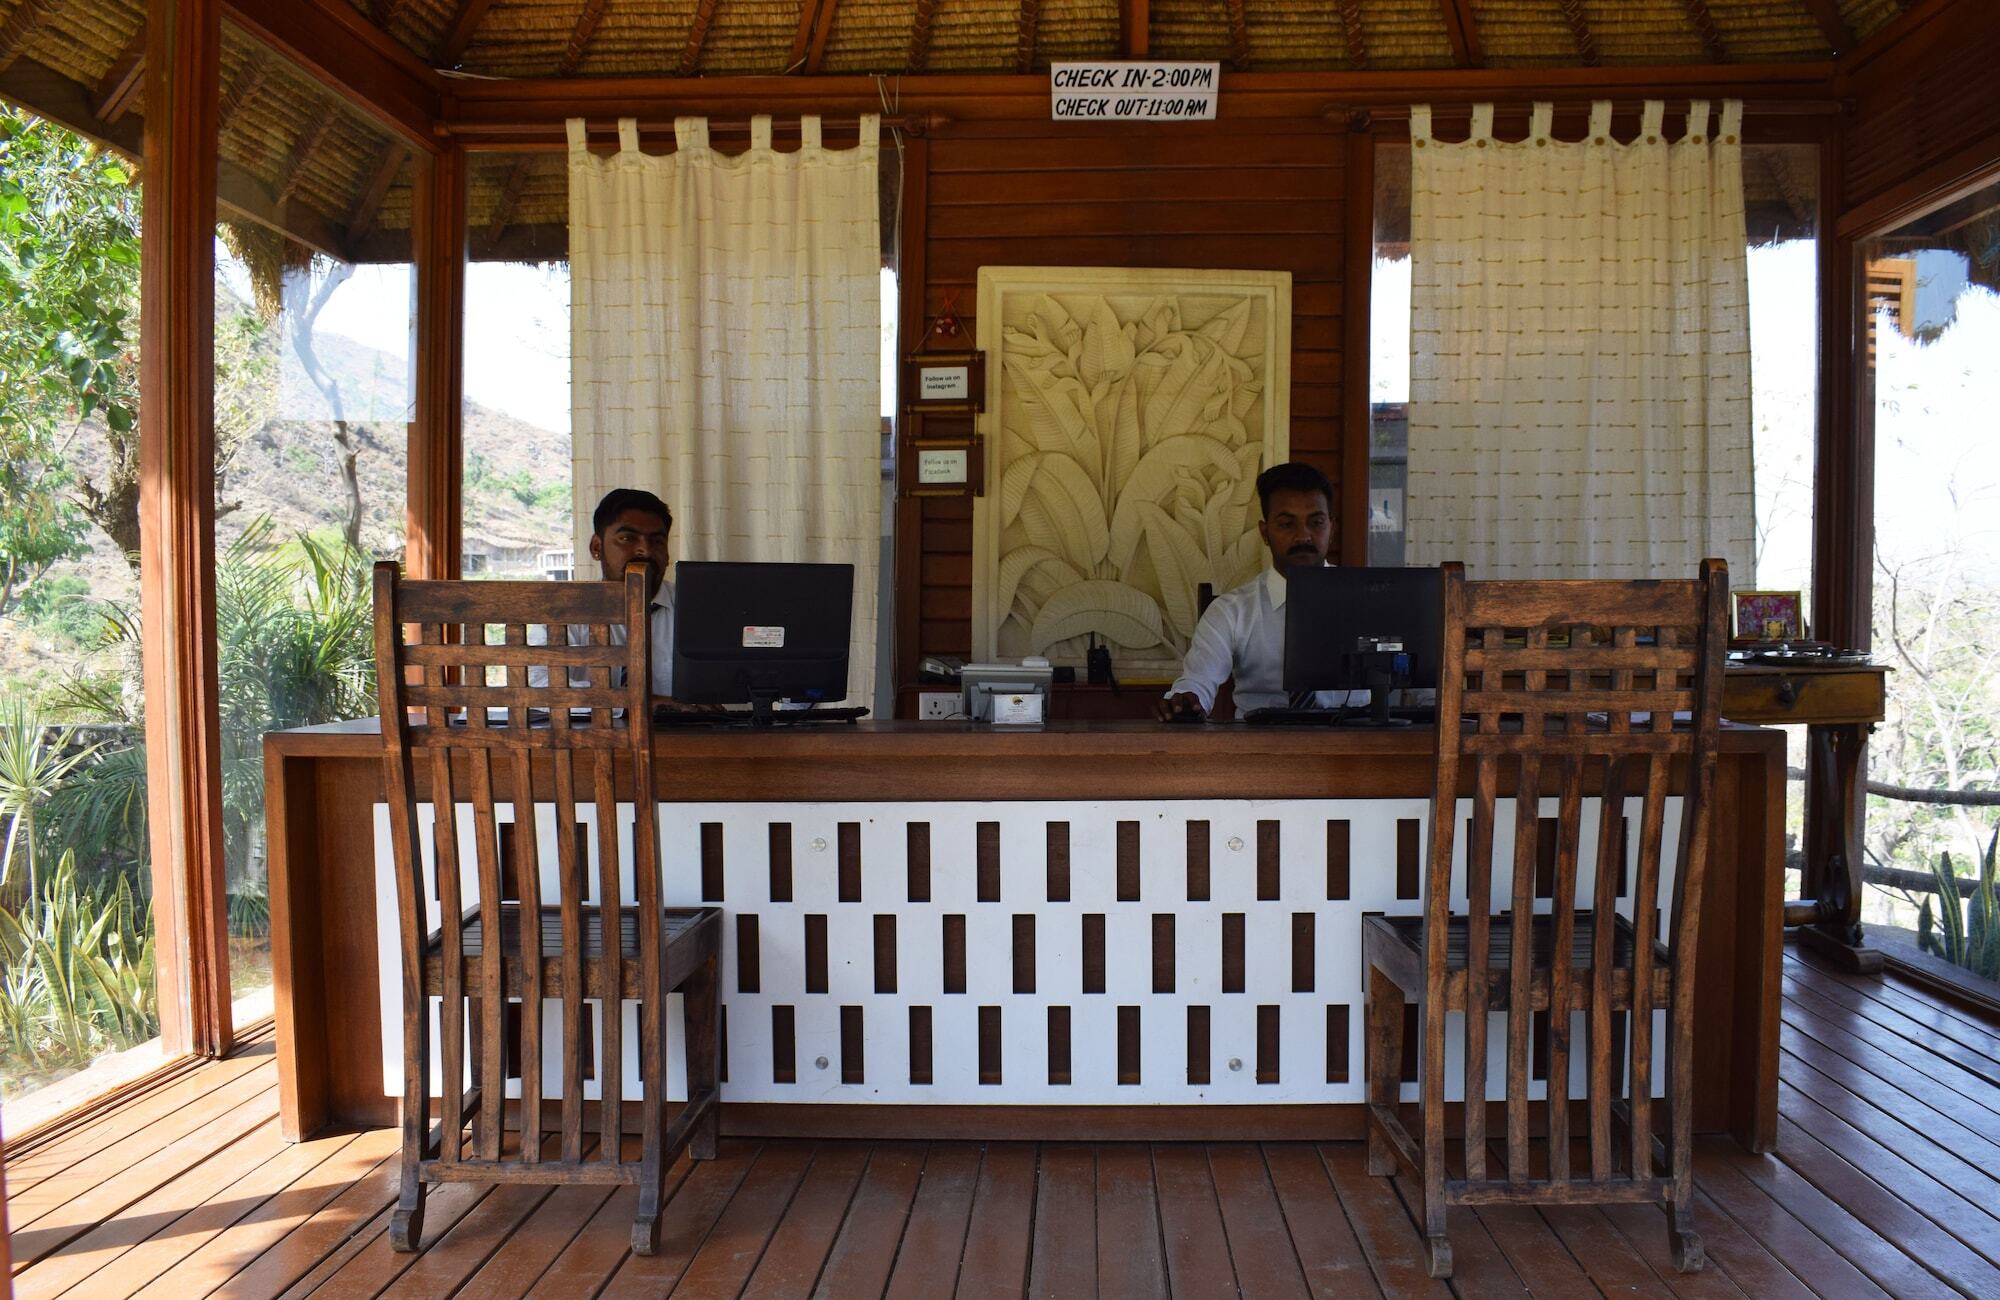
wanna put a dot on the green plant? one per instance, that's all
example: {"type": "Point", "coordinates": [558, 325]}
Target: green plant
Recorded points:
{"type": "Point", "coordinates": [35, 760]}
{"type": "Point", "coordinates": [76, 974]}
{"type": "Point", "coordinates": [250, 913]}
{"type": "Point", "coordinates": [61, 608]}
{"type": "Point", "coordinates": [1967, 931]}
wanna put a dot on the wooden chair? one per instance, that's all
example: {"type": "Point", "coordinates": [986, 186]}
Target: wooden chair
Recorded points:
{"type": "Point", "coordinates": [545, 948]}
{"type": "Point", "coordinates": [1549, 676]}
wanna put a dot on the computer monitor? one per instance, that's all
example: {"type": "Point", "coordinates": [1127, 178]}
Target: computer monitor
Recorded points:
{"type": "Point", "coordinates": [1363, 629]}
{"type": "Point", "coordinates": [759, 633]}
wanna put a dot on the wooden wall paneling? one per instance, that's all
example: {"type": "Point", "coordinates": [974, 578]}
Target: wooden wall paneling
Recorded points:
{"type": "Point", "coordinates": [177, 524]}
{"type": "Point", "coordinates": [1357, 282]}
{"type": "Point", "coordinates": [434, 508]}
{"type": "Point", "coordinates": [1271, 195]}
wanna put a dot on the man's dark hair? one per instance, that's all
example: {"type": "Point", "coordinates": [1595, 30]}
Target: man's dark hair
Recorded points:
{"type": "Point", "coordinates": [618, 500]}
{"type": "Point", "coordinates": [1292, 476]}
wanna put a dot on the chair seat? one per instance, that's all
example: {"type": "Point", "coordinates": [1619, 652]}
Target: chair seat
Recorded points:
{"type": "Point", "coordinates": [1398, 945]}
{"type": "Point", "coordinates": [690, 934]}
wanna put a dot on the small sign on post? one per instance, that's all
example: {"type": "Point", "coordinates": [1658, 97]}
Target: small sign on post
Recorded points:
{"type": "Point", "coordinates": [1117, 91]}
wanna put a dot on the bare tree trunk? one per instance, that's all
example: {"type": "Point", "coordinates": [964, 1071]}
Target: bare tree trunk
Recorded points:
{"type": "Point", "coordinates": [329, 387]}
{"type": "Point", "coordinates": [115, 506]}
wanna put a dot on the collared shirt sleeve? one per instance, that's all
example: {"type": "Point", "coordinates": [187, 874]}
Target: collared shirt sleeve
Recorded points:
{"type": "Point", "coordinates": [1210, 656]}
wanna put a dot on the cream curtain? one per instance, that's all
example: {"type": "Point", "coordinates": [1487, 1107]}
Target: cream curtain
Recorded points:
{"type": "Point", "coordinates": [725, 319]}
{"type": "Point", "coordinates": [1580, 350]}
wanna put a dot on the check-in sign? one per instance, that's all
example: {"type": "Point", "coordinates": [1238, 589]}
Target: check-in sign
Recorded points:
{"type": "Point", "coordinates": [1133, 92]}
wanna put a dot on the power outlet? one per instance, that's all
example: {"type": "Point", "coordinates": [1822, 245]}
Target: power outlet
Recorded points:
{"type": "Point", "coordinates": [936, 706]}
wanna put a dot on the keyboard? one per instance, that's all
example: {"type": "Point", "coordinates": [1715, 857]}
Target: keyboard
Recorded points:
{"type": "Point", "coordinates": [741, 717]}
{"type": "Point", "coordinates": [1284, 715]}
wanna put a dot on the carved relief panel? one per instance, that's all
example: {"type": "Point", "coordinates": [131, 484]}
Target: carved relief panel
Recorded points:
{"type": "Point", "coordinates": [1128, 414]}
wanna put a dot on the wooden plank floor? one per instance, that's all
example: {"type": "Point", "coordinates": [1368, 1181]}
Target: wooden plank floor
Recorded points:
{"type": "Point", "coordinates": [1888, 1183]}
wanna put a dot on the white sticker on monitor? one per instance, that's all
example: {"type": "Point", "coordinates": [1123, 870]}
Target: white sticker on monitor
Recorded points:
{"type": "Point", "coordinates": [763, 638]}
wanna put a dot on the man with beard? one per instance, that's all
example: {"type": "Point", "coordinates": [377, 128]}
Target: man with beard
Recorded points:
{"type": "Point", "coordinates": [1242, 633]}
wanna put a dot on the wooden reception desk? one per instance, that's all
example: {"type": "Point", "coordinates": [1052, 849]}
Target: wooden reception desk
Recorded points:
{"type": "Point", "coordinates": [1095, 930]}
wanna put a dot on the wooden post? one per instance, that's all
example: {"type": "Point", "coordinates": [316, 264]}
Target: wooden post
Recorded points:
{"type": "Point", "coordinates": [910, 326]}
{"type": "Point", "coordinates": [437, 435]}
{"type": "Point", "coordinates": [177, 524]}
{"type": "Point", "coordinates": [1843, 546]}
{"type": "Point", "coordinates": [1357, 279]}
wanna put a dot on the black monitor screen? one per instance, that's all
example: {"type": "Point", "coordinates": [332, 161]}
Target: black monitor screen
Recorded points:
{"type": "Point", "coordinates": [744, 632]}
{"type": "Point", "coordinates": [1363, 629]}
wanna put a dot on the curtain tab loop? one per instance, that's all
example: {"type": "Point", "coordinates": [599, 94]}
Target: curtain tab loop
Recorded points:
{"type": "Point", "coordinates": [1420, 122]}
{"type": "Point", "coordinates": [1697, 127]}
{"type": "Point", "coordinates": [1541, 121]}
{"type": "Point", "coordinates": [1600, 121]}
{"type": "Point", "coordinates": [628, 134]}
{"type": "Point", "coordinates": [1482, 124]}
{"type": "Point", "coordinates": [1651, 120]}
{"type": "Point", "coordinates": [871, 131]}
{"type": "Point", "coordinates": [690, 133]}
{"type": "Point", "coordinates": [809, 136]}
{"type": "Point", "coordinates": [760, 131]}
{"type": "Point", "coordinates": [1732, 121]}
{"type": "Point", "coordinates": [579, 135]}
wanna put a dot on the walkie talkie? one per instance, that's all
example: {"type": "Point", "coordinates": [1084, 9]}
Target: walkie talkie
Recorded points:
{"type": "Point", "coordinates": [1097, 664]}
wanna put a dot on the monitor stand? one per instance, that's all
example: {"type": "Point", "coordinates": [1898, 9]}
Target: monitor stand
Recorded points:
{"type": "Point", "coordinates": [761, 703]}
{"type": "Point", "coordinates": [1380, 682]}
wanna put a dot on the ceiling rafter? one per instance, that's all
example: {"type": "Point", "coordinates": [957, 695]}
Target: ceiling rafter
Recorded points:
{"type": "Point", "coordinates": [302, 153]}
{"type": "Point", "coordinates": [511, 191]}
{"type": "Point", "coordinates": [1239, 37]}
{"type": "Point", "coordinates": [809, 46]}
{"type": "Point", "coordinates": [1579, 27]}
{"type": "Point", "coordinates": [384, 10]}
{"type": "Point", "coordinates": [242, 88]}
{"type": "Point", "coordinates": [459, 31]}
{"type": "Point", "coordinates": [22, 24]}
{"type": "Point", "coordinates": [1839, 36]}
{"type": "Point", "coordinates": [704, 14]}
{"type": "Point", "coordinates": [586, 26]}
{"type": "Point", "coordinates": [361, 222]}
{"type": "Point", "coordinates": [1350, 26]}
{"type": "Point", "coordinates": [1461, 31]}
{"type": "Point", "coordinates": [1797, 193]}
{"type": "Point", "coordinates": [920, 37]}
{"type": "Point", "coordinates": [118, 90]}
{"type": "Point", "coordinates": [1135, 27]}
{"type": "Point", "coordinates": [1704, 26]}
{"type": "Point", "coordinates": [1024, 45]}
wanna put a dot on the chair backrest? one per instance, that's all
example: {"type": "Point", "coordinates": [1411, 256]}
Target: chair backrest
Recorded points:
{"type": "Point", "coordinates": [482, 706]}
{"type": "Point", "coordinates": [1573, 687]}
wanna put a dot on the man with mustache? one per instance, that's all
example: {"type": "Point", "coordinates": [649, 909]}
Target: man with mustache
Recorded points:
{"type": "Point", "coordinates": [632, 524]}
{"type": "Point", "coordinates": [1242, 633]}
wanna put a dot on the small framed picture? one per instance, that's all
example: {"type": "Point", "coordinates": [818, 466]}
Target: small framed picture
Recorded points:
{"type": "Point", "coordinates": [944, 381]}
{"type": "Point", "coordinates": [1769, 616]}
{"type": "Point", "coordinates": [942, 467]}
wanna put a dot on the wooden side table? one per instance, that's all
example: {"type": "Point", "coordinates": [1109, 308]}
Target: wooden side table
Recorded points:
{"type": "Point", "coordinates": [1838, 704]}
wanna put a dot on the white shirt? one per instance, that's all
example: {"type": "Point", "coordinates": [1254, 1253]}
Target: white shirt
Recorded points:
{"type": "Point", "coordinates": [662, 620]}
{"type": "Point", "coordinates": [1242, 635]}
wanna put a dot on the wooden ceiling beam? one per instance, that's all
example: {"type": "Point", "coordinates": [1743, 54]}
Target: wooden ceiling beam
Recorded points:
{"type": "Point", "coordinates": [704, 14]}
{"type": "Point", "coordinates": [1704, 26]}
{"type": "Point", "coordinates": [1239, 37]}
{"type": "Point", "coordinates": [1839, 36]}
{"type": "Point", "coordinates": [1462, 32]}
{"type": "Point", "coordinates": [303, 150]}
{"type": "Point", "coordinates": [1357, 39]}
{"type": "Point", "coordinates": [384, 10]}
{"type": "Point", "coordinates": [1024, 44]}
{"type": "Point", "coordinates": [361, 221]}
{"type": "Point", "coordinates": [118, 90]}
{"type": "Point", "coordinates": [809, 45]}
{"type": "Point", "coordinates": [22, 24]}
{"type": "Point", "coordinates": [334, 43]}
{"type": "Point", "coordinates": [587, 19]}
{"type": "Point", "coordinates": [1579, 28]}
{"type": "Point", "coordinates": [459, 31]}
{"type": "Point", "coordinates": [242, 87]}
{"type": "Point", "coordinates": [1135, 27]}
{"type": "Point", "coordinates": [919, 54]}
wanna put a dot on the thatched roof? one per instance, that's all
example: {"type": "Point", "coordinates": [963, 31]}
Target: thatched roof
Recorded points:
{"type": "Point", "coordinates": [296, 158]}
